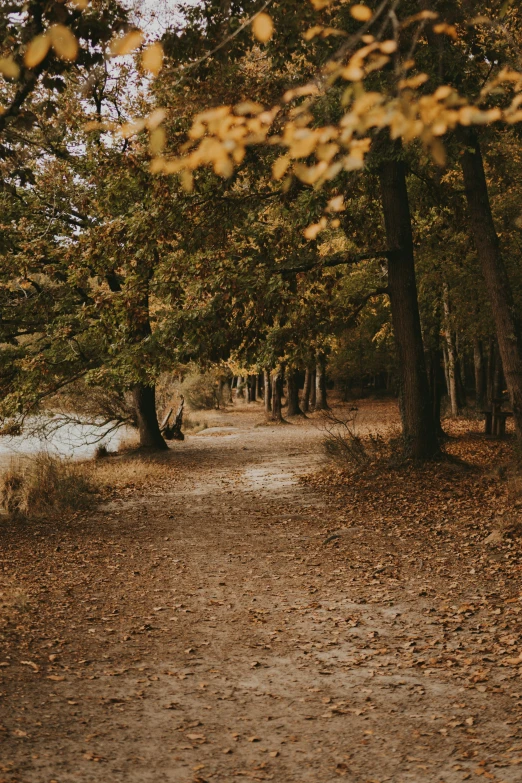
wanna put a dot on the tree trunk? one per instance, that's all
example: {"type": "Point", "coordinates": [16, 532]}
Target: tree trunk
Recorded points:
{"type": "Point", "coordinates": [492, 358]}
{"type": "Point", "coordinates": [252, 388]}
{"type": "Point", "coordinates": [277, 393]}
{"type": "Point", "coordinates": [321, 402]}
{"type": "Point", "coordinates": [451, 355]}
{"type": "Point", "coordinates": [419, 429]}
{"type": "Point", "coordinates": [313, 389]}
{"type": "Point", "coordinates": [497, 282]}
{"type": "Point", "coordinates": [268, 392]}
{"type": "Point", "coordinates": [144, 398]}
{"type": "Point", "coordinates": [480, 375]}
{"type": "Point", "coordinates": [436, 383]}
{"type": "Point", "coordinates": [292, 377]}
{"type": "Point", "coordinates": [305, 404]}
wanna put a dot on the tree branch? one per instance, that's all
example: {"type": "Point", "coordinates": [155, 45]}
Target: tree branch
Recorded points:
{"type": "Point", "coordinates": [336, 260]}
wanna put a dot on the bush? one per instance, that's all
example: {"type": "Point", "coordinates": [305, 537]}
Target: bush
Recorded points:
{"type": "Point", "coordinates": [342, 443]}
{"type": "Point", "coordinates": [201, 391]}
{"type": "Point", "coordinates": [44, 485]}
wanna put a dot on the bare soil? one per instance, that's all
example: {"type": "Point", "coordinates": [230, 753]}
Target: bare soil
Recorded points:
{"type": "Point", "coordinates": [250, 611]}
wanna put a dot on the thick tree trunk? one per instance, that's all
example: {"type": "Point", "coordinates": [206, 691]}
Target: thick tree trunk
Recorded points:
{"type": "Point", "coordinates": [277, 394]}
{"type": "Point", "coordinates": [497, 282]}
{"type": "Point", "coordinates": [292, 378]}
{"type": "Point", "coordinates": [480, 375]}
{"type": "Point", "coordinates": [144, 398]}
{"type": "Point", "coordinates": [419, 429]}
{"type": "Point", "coordinates": [451, 369]}
{"type": "Point", "coordinates": [321, 402]}
{"type": "Point", "coordinates": [267, 392]}
{"type": "Point", "coordinates": [313, 389]}
{"type": "Point", "coordinates": [305, 404]}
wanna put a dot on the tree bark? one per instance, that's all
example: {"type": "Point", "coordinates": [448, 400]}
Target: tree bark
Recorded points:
{"type": "Point", "coordinates": [267, 392]}
{"type": "Point", "coordinates": [419, 430]}
{"type": "Point", "coordinates": [451, 369]}
{"type": "Point", "coordinates": [436, 380]}
{"type": "Point", "coordinates": [313, 389]}
{"type": "Point", "coordinates": [490, 378]}
{"type": "Point", "coordinates": [321, 402]}
{"type": "Point", "coordinates": [252, 388]}
{"type": "Point", "coordinates": [305, 404]}
{"type": "Point", "coordinates": [144, 398]}
{"type": "Point", "coordinates": [277, 393]}
{"type": "Point", "coordinates": [480, 375]}
{"type": "Point", "coordinates": [495, 274]}
{"type": "Point", "coordinates": [292, 378]}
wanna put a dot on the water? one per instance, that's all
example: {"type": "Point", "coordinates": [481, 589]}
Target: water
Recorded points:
{"type": "Point", "coordinates": [71, 439]}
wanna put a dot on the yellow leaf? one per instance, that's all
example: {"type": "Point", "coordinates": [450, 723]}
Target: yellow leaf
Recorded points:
{"type": "Point", "coordinates": [320, 4]}
{"type": "Point", "coordinates": [336, 204]}
{"type": "Point", "coordinates": [361, 12]}
{"type": "Point", "coordinates": [129, 43]}
{"type": "Point", "coordinates": [312, 32]}
{"type": "Point", "coordinates": [152, 58]}
{"type": "Point", "coordinates": [388, 47]}
{"type": "Point", "coordinates": [280, 167]}
{"type": "Point", "coordinates": [157, 141]}
{"type": "Point", "coordinates": [64, 42]}
{"type": "Point", "coordinates": [352, 73]}
{"type": "Point", "coordinates": [413, 82]}
{"type": "Point", "coordinates": [80, 5]}
{"type": "Point", "coordinates": [303, 144]}
{"type": "Point", "coordinates": [441, 93]}
{"type": "Point", "coordinates": [187, 181]}
{"type": "Point", "coordinates": [312, 231]}
{"type": "Point", "coordinates": [155, 118]}
{"type": "Point", "coordinates": [446, 29]}
{"type": "Point", "coordinates": [157, 165]}
{"type": "Point", "coordinates": [129, 129]}
{"type": "Point", "coordinates": [37, 50]}
{"type": "Point", "coordinates": [248, 107]}
{"type": "Point", "coordinates": [263, 27]}
{"type": "Point", "coordinates": [9, 68]}
{"type": "Point", "coordinates": [438, 152]}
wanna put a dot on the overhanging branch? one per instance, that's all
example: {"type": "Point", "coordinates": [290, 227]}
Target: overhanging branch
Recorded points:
{"type": "Point", "coordinates": [337, 260]}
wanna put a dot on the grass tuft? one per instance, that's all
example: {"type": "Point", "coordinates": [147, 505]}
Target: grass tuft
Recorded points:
{"type": "Point", "coordinates": [44, 486]}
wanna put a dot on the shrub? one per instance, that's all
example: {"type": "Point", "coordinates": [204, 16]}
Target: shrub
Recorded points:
{"type": "Point", "coordinates": [44, 485]}
{"type": "Point", "coordinates": [342, 443]}
{"type": "Point", "coordinates": [201, 391]}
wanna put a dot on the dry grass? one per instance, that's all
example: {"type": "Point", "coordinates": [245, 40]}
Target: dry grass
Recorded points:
{"type": "Point", "coordinates": [130, 473]}
{"type": "Point", "coordinates": [45, 486]}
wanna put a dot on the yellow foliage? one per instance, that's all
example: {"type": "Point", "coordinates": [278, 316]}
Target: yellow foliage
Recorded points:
{"type": "Point", "coordinates": [263, 27]}
{"type": "Point", "coordinates": [311, 232]}
{"type": "Point", "coordinates": [152, 58]}
{"type": "Point", "coordinates": [361, 12]}
{"type": "Point", "coordinates": [280, 167]}
{"type": "Point", "coordinates": [37, 50]}
{"type": "Point", "coordinates": [126, 44]}
{"type": "Point", "coordinates": [9, 68]}
{"type": "Point", "coordinates": [64, 42]}
{"type": "Point", "coordinates": [446, 29]}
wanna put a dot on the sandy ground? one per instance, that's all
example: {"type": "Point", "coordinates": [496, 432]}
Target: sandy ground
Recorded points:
{"type": "Point", "coordinates": [202, 630]}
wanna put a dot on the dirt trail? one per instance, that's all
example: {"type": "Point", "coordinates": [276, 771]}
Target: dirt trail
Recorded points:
{"type": "Point", "coordinates": [205, 632]}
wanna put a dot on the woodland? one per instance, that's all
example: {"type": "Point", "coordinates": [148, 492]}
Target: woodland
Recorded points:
{"type": "Point", "coordinates": [273, 247]}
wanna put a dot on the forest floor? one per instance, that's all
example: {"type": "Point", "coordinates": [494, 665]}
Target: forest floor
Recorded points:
{"type": "Point", "coordinates": [239, 608]}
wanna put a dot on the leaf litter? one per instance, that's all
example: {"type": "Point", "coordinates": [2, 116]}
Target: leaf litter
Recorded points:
{"type": "Point", "coordinates": [392, 653]}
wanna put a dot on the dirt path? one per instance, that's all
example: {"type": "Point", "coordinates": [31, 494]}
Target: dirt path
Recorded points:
{"type": "Point", "coordinates": [205, 632]}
